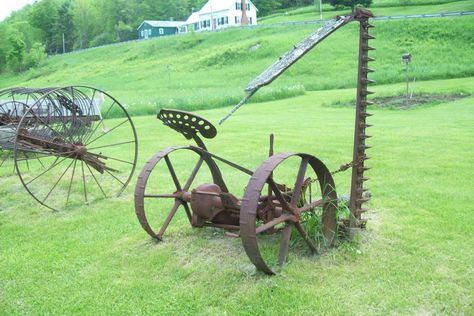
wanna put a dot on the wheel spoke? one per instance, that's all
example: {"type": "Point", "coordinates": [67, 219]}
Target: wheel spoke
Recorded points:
{"type": "Point", "coordinates": [96, 181]}
{"type": "Point", "coordinates": [55, 164]}
{"type": "Point", "coordinates": [274, 222]}
{"type": "Point", "coordinates": [112, 145]}
{"type": "Point", "coordinates": [160, 196]}
{"type": "Point", "coordinates": [110, 158]}
{"type": "Point", "coordinates": [285, 243]}
{"type": "Point", "coordinates": [309, 206]}
{"type": "Point", "coordinates": [70, 183]}
{"type": "Point", "coordinates": [173, 174]}
{"type": "Point", "coordinates": [54, 186]}
{"type": "Point", "coordinates": [306, 238]}
{"type": "Point", "coordinates": [188, 211]}
{"type": "Point", "coordinates": [84, 180]}
{"type": "Point", "coordinates": [108, 132]}
{"type": "Point", "coordinates": [4, 159]}
{"type": "Point", "coordinates": [193, 174]}
{"type": "Point", "coordinates": [299, 182]}
{"type": "Point", "coordinates": [113, 176]}
{"type": "Point", "coordinates": [98, 124]}
{"type": "Point", "coordinates": [279, 195]}
{"type": "Point", "coordinates": [170, 216]}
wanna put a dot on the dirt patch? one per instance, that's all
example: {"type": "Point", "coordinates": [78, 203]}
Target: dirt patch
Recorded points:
{"type": "Point", "coordinates": [399, 102]}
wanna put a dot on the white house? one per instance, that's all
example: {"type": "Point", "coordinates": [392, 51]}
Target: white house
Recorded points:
{"type": "Point", "coordinates": [218, 14]}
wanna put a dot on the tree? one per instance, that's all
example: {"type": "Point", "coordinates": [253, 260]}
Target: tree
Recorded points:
{"type": "Point", "coordinates": [266, 7]}
{"type": "Point", "coordinates": [64, 25]}
{"type": "Point", "coordinates": [350, 3]}
{"type": "Point", "coordinates": [85, 18]}
{"type": "Point", "coordinates": [16, 55]}
{"type": "Point", "coordinates": [44, 16]}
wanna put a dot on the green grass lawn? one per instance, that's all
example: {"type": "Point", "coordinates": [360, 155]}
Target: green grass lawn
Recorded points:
{"type": "Point", "coordinates": [416, 256]}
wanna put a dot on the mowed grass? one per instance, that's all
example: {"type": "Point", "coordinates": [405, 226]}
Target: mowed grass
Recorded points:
{"type": "Point", "coordinates": [210, 70]}
{"type": "Point", "coordinates": [416, 256]}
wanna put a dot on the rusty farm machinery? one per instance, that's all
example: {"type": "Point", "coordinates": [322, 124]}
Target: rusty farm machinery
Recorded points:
{"type": "Point", "coordinates": [276, 200]}
{"type": "Point", "coordinates": [67, 145]}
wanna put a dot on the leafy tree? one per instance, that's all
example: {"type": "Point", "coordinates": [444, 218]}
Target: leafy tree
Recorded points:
{"type": "Point", "coordinates": [44, 16]}
{"type": "Point", "coordinates": [85, 18]}
{"type": "Point", "coordinates": [16, 55]}
{"type": "Point", "coordinates": [350, 3]}
{"type": "Point", "coordinates": [266, 7]}
{"type": "Point", "coordinates": [64, 25]}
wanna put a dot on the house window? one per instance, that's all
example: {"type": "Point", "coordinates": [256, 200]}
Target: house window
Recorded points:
{"type": "Point", "coordinates": [238, 6]}
{"type": "Point", "coordinates": [142, 33]}
{"type": "Point", "coordinates": [248, 6]}
{"type": "Point", "coordinates": [226, 20]}
{"type": "Point", "coordinates": [149, 32]}
{"type": "Point", "coordinates": [161, 31]}
{"type": "Point", "coordinates": [237, 20]}
{"type": "Point", "coordinates": [251, 21]}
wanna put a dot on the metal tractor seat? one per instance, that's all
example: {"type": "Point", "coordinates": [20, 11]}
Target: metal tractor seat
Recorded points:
{"type": "Point", "coordinates": [187, 123]}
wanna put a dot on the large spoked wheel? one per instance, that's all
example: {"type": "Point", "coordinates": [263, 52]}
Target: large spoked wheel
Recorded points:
{"type": "Point", "coordinates": [165, 181]}
{"type": "Point", "coordinates": [75, 145]}
{"type": "Point", "coordinates": [269, 207]}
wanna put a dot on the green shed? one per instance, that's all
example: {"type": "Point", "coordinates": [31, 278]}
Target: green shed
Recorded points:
{"type": "Point", "coordinates": [150, 28]}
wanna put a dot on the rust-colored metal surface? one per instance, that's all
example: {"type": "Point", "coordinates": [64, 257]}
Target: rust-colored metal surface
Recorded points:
{"type": "Point", "coordinates": [280, 196]}
{"type": "Point", "coordinates": [68, 145]}
{"type": "Point", "coordinates": [357, 197]}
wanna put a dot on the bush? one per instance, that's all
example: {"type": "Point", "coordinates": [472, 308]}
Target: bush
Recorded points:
{"type": "Point", "coordinates": [36, 56]}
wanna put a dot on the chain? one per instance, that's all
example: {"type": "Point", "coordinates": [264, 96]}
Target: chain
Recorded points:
{"type": "Point", "coordinates": [344, 167]}
{"type": "Point", "coordinates": [349, 165]}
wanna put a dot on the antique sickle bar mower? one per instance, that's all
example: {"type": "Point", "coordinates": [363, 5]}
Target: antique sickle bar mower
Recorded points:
{"type": "Point", "coordinates": [64, 144]}
{"type": "Point", "coordinates": [276, 199]}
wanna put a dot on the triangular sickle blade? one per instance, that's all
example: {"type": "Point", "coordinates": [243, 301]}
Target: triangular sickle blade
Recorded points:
{"type": "Point", "coordinates": [289, 58]}
{"type": "Point", "coordinates": [298, 51]}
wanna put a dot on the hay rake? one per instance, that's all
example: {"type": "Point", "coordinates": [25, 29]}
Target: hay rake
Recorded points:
{"type": "Point", "coordinates": [273, 203]}
{"type": "Point", "coordinates": [65, 145]}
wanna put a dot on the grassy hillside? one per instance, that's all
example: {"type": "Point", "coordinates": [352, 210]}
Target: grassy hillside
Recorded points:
{"type": "Point", "coordinates": [211, 70]}
{"type": "Point", "coordinates": [416, 256]}
{"type": "Point", "coordinates": [379, 8]}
